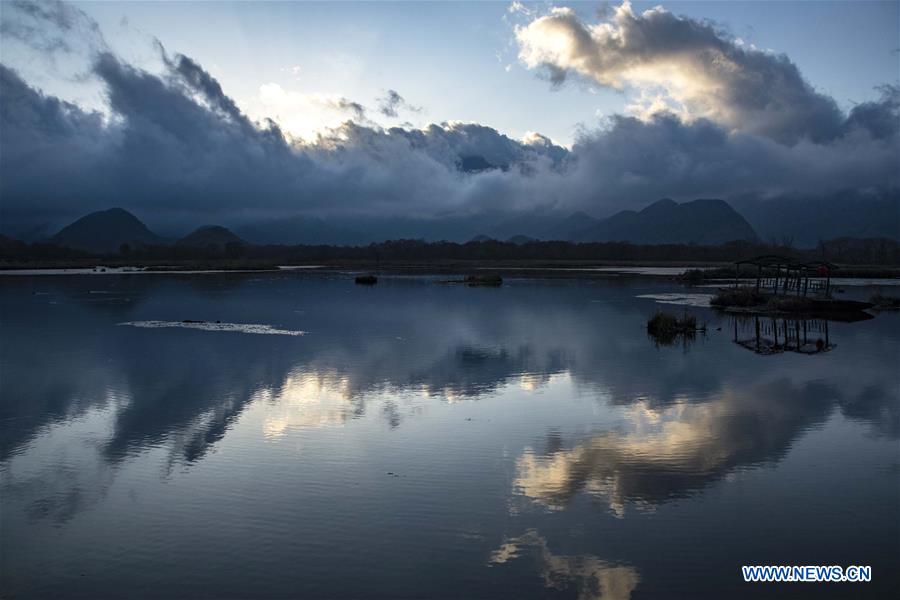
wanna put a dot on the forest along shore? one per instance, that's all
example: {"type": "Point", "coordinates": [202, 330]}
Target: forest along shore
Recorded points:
{"type": "Point", "coordinates": [689, 274]}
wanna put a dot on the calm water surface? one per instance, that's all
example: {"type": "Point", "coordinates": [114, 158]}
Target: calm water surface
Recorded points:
{"type": "Point", "coordinates": [428, 440]}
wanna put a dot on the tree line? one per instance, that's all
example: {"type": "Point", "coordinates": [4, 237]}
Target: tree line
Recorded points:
{"type": "Point", "coordinates": [844, 251]}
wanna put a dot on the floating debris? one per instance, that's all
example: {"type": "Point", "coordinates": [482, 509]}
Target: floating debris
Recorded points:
{"type": "Point", "coordinates": [699, 300]}
{"type": "Point", "coordinates": [366, 280]}
{"type": "Point", "coordinates": [216, 326]}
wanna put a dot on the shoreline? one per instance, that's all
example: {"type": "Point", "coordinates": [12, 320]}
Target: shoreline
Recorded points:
{"type": "Point", "coordinates": [672, 271]}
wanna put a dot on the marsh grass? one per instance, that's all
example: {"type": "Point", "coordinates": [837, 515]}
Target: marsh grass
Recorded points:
{"type": "Point", "coordinates": [665, 327]}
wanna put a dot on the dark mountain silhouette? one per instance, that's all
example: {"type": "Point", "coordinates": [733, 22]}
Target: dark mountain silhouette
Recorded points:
{"type": "Point", "coordinates": [804, 221]}
{"type": "Point", "coordinates": [798, 221]}
{"type": "Point", "coordinates": [106, 231]}
{"type": "Point", "coordinates": [481, 238]}
{"type": "Point", "coordinates": [570, 227]}
{"type": "Point", "coordinates": [705, 222]}
{"type": "Point", "coordinates": [210, 235]}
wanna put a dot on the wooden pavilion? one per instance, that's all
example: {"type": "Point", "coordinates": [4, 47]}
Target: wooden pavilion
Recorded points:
{"type": "Point", "coordinates": [779, 275]}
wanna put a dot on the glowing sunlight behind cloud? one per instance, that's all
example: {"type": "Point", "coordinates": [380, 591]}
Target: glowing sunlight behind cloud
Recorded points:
{"type": "Point", "coordinates": [304, 115]}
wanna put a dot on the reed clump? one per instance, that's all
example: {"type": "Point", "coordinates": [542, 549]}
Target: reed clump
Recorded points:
{"type": "Point", "coordinates": [665, 327]}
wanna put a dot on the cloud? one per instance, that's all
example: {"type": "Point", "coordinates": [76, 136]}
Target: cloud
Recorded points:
{"type": "Point", "coordinates": [51, 26]}
{"type": "Point", "coordinates": [684, 64]}
{"type": "Point", "coordinates": [392, 102]}
{"type": "Point", "coordinates": [635, 158]}
{"type": "Point", "coordinates": [178, 144]}
{"type": "Point", "coordinates": [304, 115]}
{"type": "Point", "coordinates": [197, 80]}
{"type": "Point", "coordinates": [175, 146]}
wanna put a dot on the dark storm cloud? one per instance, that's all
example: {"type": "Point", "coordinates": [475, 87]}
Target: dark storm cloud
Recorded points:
{"type": "Point", "coordinates": [198, 80]}
{"type": "Point", "coordinates": [637, 158]}
{"type": "Point", "coordinates": [880, 119]}
{"type": "Point", "coordinates": [174, 145]}
{"type": "Point", "coordinates": [176, 142]}
{"type": "Point", "coordinates": [45, 141]}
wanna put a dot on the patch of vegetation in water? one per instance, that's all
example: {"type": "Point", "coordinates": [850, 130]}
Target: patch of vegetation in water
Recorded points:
{"type": "Point", "coordinates": [666, 327]}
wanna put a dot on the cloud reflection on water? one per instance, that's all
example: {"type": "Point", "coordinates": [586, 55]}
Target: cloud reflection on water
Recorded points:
{"type": "Point", "coordinates": [689, 419]}
{"type": "Point", "coordinates": [591, 577]}
{"type": "Point", "coordinates": [674, 451]}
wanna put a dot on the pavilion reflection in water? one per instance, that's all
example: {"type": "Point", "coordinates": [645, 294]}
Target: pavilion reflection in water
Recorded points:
{"type": "Point", "coordinates": [774, 335]}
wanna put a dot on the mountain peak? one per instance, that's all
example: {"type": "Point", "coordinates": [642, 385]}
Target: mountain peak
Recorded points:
{"type": "Point", "coordinates": [665, 221]}
{"type": "Point", "coordinates": [663, 203]}
{"type": "Point", "coordinates": [106, 231]}
{"type": "Point", "coordinates": [114, 211]}
{"type": "Point", "coordinates": [210, 235]}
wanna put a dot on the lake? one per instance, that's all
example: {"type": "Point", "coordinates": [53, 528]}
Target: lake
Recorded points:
{"type": "Point", "coordinates": [312, 438]}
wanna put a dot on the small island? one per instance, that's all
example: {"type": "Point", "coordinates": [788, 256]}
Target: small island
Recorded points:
{"type": "Point", "coordinates": [785, 286]}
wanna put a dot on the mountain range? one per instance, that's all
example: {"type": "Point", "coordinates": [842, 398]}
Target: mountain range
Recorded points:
{"type": "Point", "coordinates": [706, 222]}
{"type": "Point", "coordinates": [702, 222]}
{"type": "Point", "coordinates": [802, 221]}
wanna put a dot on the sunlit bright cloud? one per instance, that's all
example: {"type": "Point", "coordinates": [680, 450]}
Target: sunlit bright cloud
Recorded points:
{"type": "Point", "coordinates": [304, 115]}
{"type": "Point", "coordinates": [687, 66]}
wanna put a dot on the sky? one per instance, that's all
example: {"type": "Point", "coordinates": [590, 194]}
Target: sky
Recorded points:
{"type": "Point", "coordinates": [455, 60]}
{"type": "Point", "coordinates": [255, 108]}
